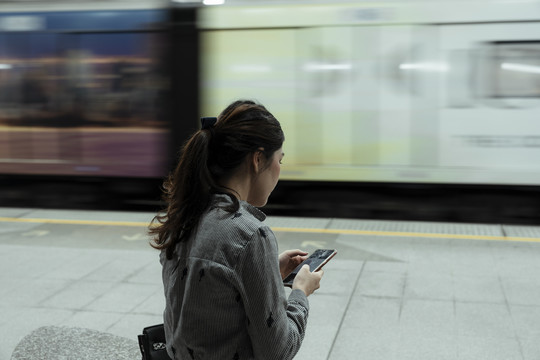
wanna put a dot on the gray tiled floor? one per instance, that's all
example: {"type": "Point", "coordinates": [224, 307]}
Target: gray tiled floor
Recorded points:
{"type": "Point", "coordinates": [385, 296]}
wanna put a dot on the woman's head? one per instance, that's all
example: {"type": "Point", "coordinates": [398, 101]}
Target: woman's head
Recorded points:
{"type": "Point", "coordinates": [242, 129]}
{"type": "Point", "coordinates": [245, 140]}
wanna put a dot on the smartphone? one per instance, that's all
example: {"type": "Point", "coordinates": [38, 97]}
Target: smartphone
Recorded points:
{"type": "Point", "coordinates": [316, 261]}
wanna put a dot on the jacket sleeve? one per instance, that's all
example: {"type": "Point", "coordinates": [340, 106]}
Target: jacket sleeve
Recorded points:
{"type": "Point", "coordinates": [276, 325]}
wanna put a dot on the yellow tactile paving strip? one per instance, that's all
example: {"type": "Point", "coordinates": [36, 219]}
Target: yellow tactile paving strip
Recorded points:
{"type": "Point", "coordinates": [286, 229]}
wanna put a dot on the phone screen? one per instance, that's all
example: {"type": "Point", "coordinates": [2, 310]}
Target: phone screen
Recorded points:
{"type": "Point", "coordinates": [315, 262]}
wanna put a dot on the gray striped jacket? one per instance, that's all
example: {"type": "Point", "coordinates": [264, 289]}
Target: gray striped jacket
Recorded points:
{"type": "Point", "coordinates": [224, 293]}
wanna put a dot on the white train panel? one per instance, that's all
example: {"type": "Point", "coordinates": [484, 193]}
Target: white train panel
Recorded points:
{"type": "Point", "coordinates": [441, 93]}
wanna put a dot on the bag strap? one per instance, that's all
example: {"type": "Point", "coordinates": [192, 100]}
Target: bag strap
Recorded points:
{"type": "Point", "coordinates": [144, 346]}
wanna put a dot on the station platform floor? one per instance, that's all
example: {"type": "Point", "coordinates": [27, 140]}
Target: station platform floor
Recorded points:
{"type": "Point", "coordinates": [396, 290]}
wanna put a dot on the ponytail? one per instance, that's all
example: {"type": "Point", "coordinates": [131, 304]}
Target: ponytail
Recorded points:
{"type": "Point", "coordinates": [210, 155]}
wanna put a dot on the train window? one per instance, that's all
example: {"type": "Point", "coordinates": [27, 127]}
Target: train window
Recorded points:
{"type": "Point", "coordinates": [514, 69]}
{"type": "Point", "coordinates": [113, 78]}
{"type": "Point", "coordinates": [80, 103]}
{"type": "Point", "coordinates": [27, 75]}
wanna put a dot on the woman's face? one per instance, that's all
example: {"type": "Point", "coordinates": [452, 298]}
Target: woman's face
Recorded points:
{"type": "Point", "coordinates": [266, 180]}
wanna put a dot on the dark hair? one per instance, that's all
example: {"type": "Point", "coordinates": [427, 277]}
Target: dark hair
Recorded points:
{"type": "Point", "coordinates": [207, 158]}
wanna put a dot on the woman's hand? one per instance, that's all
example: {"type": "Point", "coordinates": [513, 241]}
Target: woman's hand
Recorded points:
{"type": "Point", "coordinates": [307, 281]}
{"type": "Point", "coordinates": [289, 260]}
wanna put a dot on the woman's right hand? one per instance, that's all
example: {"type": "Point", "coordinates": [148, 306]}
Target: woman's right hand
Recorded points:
{"type": "Point", "coordinates": [307, 281]}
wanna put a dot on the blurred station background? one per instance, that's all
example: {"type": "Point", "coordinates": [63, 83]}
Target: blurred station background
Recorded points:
{"type": "Point", "coordinates": [405, 110]}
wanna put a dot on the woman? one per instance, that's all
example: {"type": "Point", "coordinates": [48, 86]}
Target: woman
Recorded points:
{"type": "Point", "coordinates": [222, 274]}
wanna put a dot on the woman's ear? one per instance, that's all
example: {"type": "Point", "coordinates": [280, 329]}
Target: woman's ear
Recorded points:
{"type": "Point", "coordinates": [256, 161]}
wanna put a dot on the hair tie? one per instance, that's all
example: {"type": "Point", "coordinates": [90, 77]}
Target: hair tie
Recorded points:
{"type": "Point", "coordinates": [208, 122]}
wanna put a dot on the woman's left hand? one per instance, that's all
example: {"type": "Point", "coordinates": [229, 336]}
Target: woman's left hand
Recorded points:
{"type": "Point", "coordinates": [289, 260]}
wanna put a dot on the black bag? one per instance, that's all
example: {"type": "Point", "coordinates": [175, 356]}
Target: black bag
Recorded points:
{"type": "Point", "coordinates": [152, 343]}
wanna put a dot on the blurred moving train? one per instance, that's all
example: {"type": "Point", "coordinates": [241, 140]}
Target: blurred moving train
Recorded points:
{"type": "Point", "coordinates": [414, 110]}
